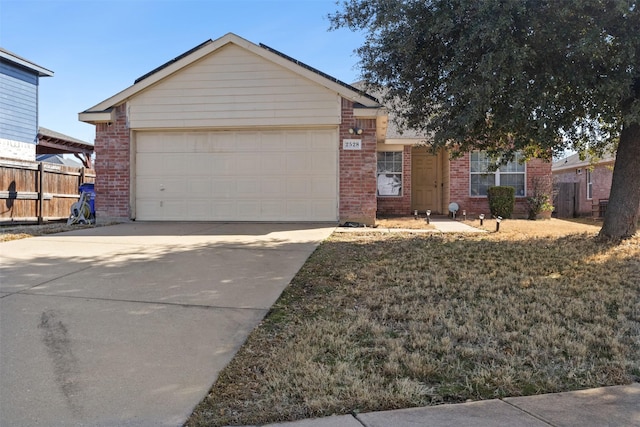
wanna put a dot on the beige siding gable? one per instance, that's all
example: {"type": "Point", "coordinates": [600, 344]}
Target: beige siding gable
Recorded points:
{"type": "Point", "coordinates": [234, 87]}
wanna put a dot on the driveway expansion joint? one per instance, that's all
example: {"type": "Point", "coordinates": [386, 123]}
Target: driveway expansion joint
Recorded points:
{"type": "Point", "coordinates": [175, 304]}
{"type": "Point", "coordinates": [536, 416]}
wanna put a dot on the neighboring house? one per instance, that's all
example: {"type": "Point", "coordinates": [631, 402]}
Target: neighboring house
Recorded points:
{"type": "Point", "coordinates": [20, 136]}
{"type": "Point", "coordinates": [19, 80]}
{"type": "Point", "coordinates": [234, 131]}
{"type": "Point", "coordinates": [582, 186]}
{"type": "Point", "coordinates": [56, 143]}
{"type": "Point", "coordinates": [58, 159]}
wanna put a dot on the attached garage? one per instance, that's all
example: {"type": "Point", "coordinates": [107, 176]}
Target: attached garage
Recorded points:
{"type": "Point", "coordinates": [233, 131]}
{"type": "Point", "coordinates": [256, 175]}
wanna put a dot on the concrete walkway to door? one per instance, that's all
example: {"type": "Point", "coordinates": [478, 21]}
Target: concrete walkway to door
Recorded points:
{"type": "Point", "coordinates": [129, 325]}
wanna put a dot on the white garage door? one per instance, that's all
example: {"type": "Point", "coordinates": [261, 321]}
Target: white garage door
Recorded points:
{"type": "Point", "coordinates": [282, 175]}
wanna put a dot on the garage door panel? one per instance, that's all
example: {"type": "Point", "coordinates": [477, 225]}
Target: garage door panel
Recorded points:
{"type": "Point", "coordinates": [271, 209]}
{"type": "Point", "coordinates": [272, 163]}
{"type": "Point", "coordinates": [223, 210]}
{"type": "Point", "coordinates": [275, 175]}
{"type": "Point", "coordinates": [297, 141]}
{"type": "Point", "coordinates": [248, 187]}
{"type": "Point", "coordinates": [298, 209]}
{"type": "Point", "coordinates": [297, 188]}
{"type": "Point", "coordinates": [247, 209]}
{"type": "Point", "coordinates": [248, 142]}
{"type": "Point", "coordinates": [199, 187]}
{"type": "Point", "coordinates": [199, 163]}
{"type": "Point", "coordinates": [323, 165]}
{"type": "Point", "coordinates": [247, 165]}
{"type": "Point", "coordinates": [322, 208]}
{"type": "Point", "coordinates": [322, 141]}
{"type": "Point", "coordinates": [272, 187]}
{"type": "Point", "coordinates": [148, 208]}
{"type": "Point", "coordinates": [177, 164]}
{"type": "Point", "coordinates": [199, 209]}
{"type": "Point", "coordinates": [274, 142]}
{"type": "Point", "coordinates": [147, 164]}
{"type": "Point", "coordinates": [297, 163]}
{"type": "Point", "coordinates": [224, 188]}
{"type": "Point", "coordinates": [221, 164]}
{"type": "Point", "coordinates": [322, 189]}
{"type": "Point", "coordinates": [174, 209]}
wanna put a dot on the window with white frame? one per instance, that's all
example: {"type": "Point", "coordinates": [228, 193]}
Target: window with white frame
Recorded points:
{"type": "Point", "coordinates": [513, 174]}
{"type": "Point", "coordinates": [589, 186]}
{"type": "Point", "coordinates": [389, 175]}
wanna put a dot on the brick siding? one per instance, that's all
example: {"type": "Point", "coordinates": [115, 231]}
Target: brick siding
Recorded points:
{"type": "Point", "coordinates": [113, 166]}
{"type": "Point", "coordinates": [601, 178]}
{"type": "Point", "coordinates": [460, 183]}
{"type": "Point", "coordinates": [357, 170]}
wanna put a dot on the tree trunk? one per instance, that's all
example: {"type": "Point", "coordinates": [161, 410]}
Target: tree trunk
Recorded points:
{"type": "Point", "coordinates": [621, 217]}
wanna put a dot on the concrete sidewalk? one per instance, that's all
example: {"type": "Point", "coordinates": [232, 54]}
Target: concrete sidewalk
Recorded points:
{"type": "Point", "coordinates": [607, 406]}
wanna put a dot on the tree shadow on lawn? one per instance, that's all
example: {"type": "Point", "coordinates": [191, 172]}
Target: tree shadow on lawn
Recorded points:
{"type": "Point", "coordinates": [376, 322]}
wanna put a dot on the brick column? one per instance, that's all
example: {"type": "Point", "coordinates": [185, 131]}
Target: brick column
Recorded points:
{"type": "Point", "coordinates": [357, 170]}
{"type": "Point", "coordinates": [113, 166]}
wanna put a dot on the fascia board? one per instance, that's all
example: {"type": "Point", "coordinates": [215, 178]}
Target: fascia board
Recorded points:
{"type": "Point", "coordinates": [97, 116]}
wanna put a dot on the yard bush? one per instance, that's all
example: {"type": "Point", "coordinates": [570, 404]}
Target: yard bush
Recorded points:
{"type": "Point", "coordinates": [501, 201]}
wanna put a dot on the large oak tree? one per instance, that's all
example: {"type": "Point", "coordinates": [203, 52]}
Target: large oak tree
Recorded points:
{"type": "Point", "coordinates": [536, 76]}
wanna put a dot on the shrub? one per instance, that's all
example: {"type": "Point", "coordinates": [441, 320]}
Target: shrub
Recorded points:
{"type": "Point", "coordinates": [540, 199]}
{"type": "Point", "coordinates": [501, 201]}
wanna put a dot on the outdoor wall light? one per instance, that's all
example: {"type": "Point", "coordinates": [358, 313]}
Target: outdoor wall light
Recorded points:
{"type": "Point", "coordinates": [355, 131]}
{"type": "Point", "coordinates": [498, 221]}
{"type": "Point", "coordinates": [428, 217]}
{"type": "Point", "coordinates": [481, 216]}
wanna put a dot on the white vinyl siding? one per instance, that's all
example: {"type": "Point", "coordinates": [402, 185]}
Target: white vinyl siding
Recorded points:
{"type": "Point", "coordinates": [252, 175]}
{"type": "Point", "coordinates": [231, 88]}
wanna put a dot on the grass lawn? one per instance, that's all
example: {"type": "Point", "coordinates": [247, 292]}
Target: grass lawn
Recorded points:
{"type": "Point", "coordinates": [377, 321]}
{"type": "Point", "coordinates": [17, 232]}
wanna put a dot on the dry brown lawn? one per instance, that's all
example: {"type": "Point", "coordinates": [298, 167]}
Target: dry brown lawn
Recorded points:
{"type": "Point", "coordinates": [16, 232]}
{"type": "Point", "coordinates": [410, 223]}
{"type": "Point", "coordinates": [384, 321]}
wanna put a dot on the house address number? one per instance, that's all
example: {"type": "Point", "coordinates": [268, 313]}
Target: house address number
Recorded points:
{"type": "Point", "coordinates": [352, 144]}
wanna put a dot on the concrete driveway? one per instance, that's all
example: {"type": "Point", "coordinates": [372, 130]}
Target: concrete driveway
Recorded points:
{"type": "Point", "coordinates": [129, 325]}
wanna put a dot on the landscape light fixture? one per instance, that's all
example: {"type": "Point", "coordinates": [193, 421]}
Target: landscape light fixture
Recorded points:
{"type": "Point", "coordinates": [454, 208]}
{"type": "Point", "coordinates": [481, 216]}
{"type": "Point", "coordinates": [428, 217]}
{"type": "Point", "coordinates": [464, 214]}
{"type": "Point", "coordinates": [415, 214]}
{"type": "Point", "coordinates": [498, 221]}
{"type": "Point", "coordinates": [355, 130]}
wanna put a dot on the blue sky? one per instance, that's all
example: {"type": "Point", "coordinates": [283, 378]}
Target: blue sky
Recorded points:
{"type": "Point", "coordinates": [97, 48]}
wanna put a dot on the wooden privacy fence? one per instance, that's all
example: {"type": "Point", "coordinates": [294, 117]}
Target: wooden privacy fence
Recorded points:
{"type": "Point", "coordinates": [39, 191]}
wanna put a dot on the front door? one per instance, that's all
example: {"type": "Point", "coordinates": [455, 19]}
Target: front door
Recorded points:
{"type": "Point", "coordinates": [424, 180]}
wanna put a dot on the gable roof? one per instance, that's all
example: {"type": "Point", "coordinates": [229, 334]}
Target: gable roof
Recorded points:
{"type": "Point", "coordinates": [102, 111]}
{"type": "Point", "coordinates": [5, 55]}
{"type": "Point", "coordinates": [574, 161]}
